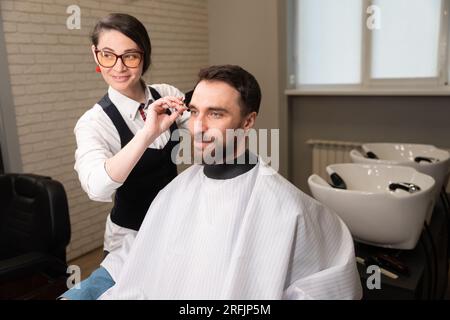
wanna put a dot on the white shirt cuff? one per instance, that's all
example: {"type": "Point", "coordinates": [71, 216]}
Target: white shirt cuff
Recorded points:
{"type": "Point", "coordinates": [101, 186]}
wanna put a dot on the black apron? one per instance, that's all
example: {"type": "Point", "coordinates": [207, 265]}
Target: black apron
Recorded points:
{"type": "Point", "coordinates": [152, 173]}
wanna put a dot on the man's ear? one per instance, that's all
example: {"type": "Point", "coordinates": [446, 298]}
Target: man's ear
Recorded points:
{"type": "Point", "coordinates": [250, 120]}
{"type": "Point", "coordinates": [93, 53]}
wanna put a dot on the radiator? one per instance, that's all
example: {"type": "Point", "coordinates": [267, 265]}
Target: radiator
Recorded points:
{"type": "Point", "coordinates": [326, 152]}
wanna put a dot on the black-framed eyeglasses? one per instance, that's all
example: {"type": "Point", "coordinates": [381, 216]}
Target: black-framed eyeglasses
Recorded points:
{"type": "Point", "coordinates": [109, 59]}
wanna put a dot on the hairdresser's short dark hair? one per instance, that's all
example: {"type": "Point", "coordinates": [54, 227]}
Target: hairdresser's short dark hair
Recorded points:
{"type": "Point", "coordinates": [129, 26]}
{"type": "Point", "coordinates": [240, 79]}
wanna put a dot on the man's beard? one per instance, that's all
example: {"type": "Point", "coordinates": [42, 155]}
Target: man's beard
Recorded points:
{"type": "Point", "coordinates": [218, 151]}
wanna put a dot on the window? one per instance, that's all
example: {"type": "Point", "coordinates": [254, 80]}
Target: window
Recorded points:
{"type": "Point", "coordinates": [368, 43]}
{"type": "Point", "coordinates": [329, 44]}
{"type": "Point", "coordinates": [400, 43]}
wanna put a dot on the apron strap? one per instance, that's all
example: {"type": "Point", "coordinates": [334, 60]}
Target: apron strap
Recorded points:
{"type": "Point", "coordinates": [110, 109]}
{"type": "Point", "coordinates": [155, 93]}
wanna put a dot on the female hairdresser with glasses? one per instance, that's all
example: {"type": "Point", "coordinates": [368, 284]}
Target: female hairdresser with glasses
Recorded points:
{"type": "Point", "coordinates": [123, 142]}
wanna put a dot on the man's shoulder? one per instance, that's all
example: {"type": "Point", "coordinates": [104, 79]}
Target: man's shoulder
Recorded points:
{"type": "Point", "coordinates": [182, 180]}
{"type": "Point", "coordinates": [275, 182]}
{"type": "Point", "coordinates": [190, 171]}
{"type": "Point", "coordinates": [287, 193]}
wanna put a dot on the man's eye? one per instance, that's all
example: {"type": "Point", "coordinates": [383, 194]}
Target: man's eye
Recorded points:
{"type": "Point", "coordinates": [193, 112]}
{"type": "Point", "coordinates": [216, 115]}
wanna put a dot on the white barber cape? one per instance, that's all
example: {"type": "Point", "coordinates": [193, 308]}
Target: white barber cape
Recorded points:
{"type": "Point", "coordinates": [255, 236]}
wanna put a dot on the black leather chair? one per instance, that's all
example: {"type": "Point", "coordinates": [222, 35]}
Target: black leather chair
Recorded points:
{"type": "Point", "coordinates": [34, 233]}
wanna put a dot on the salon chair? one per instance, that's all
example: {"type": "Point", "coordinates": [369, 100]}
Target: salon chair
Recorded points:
{"type": "Point", "coordinates": [34, 233]}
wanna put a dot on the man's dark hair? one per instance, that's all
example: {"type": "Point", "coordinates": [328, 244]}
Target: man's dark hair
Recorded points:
{"type": "Point", "coordinates": [240, 79]}
{"type": "Point", "coordinates": [129, 26]}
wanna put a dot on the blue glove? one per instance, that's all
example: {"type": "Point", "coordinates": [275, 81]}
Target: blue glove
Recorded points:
{"type": "Point", "coordinates": [91, 288]}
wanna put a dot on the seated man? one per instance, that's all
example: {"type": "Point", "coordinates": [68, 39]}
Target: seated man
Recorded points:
{"type": "Point", "coordinates": [230, 231]}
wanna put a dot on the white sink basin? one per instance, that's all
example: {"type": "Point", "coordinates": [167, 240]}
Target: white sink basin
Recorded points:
{"type": "Point", "coordinates": [375, 214]}
{"type": "Point", "coordinates": [424, 158]}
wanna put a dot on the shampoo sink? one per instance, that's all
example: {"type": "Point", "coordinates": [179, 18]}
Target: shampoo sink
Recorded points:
{"type": "Point", "coordinates": [382, 205]}
{"type": "Point", "coordinates": [424, 158]}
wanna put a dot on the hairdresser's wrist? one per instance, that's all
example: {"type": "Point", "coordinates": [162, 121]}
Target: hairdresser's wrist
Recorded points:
{"type": "Point", "coordinates": [146, 136]}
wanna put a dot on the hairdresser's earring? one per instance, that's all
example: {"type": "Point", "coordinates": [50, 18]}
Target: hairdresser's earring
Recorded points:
{"type": "Point", "coordinates": [97, 69]}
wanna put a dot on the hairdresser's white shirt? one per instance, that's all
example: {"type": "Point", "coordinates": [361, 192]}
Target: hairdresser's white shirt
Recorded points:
{"type": "Point", "coordinates": [98, 139]}
{"type": "Point", "coordinates": [255, 236]}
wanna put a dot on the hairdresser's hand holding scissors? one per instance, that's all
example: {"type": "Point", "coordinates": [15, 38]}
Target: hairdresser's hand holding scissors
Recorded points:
{"type": "Point", "coordinates": [158, 120]}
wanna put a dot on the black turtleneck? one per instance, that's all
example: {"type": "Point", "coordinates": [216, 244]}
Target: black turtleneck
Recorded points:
{"type": "Point", "coordinates": [242, 164]}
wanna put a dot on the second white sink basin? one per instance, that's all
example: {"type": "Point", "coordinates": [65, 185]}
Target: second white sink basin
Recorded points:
{"type": "Point", "coordinates": [382, 205]}
{"type": "Point", "coordinates": [424, 158]}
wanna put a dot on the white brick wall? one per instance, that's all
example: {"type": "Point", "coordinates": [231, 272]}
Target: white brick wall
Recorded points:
{"type": "Point", "coordinates": [54, 82]}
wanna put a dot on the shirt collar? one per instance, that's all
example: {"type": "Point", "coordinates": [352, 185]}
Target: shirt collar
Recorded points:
{"type": "Point", "coordinates": [127, 107]}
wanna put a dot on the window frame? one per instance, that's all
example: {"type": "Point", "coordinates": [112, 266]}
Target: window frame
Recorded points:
{"type": "Point", "coordinates": [9, 140]}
